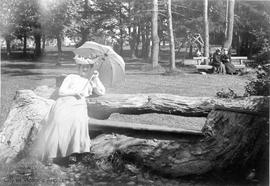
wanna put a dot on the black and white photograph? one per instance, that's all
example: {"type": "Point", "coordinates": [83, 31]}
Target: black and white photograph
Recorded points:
{"type": "Point", "coordinates": [134, 92]}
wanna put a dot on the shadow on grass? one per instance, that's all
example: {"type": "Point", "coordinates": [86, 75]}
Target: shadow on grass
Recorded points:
{"type": "Point", "coordinates": [20, 72]}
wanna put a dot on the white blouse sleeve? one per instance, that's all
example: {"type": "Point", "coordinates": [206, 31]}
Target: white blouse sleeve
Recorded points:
{"type": "Point", "coordinates": [65, 87]}
{"type": "Point", "coordinates": [98, 87]}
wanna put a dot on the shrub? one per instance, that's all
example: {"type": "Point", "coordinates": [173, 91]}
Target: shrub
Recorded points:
{"type": "Point", "coordinates": [259, 86]}
{"type": "Point", "coordinates": [229, 94]}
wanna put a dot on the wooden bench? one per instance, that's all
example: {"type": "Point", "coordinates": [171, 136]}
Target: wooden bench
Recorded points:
{"type": "Point", "coordinates": [240, 62]}
{"type": "Point", "coordinates": [239, 59]}
{"type": "Point", "coordinates": [201, 66]}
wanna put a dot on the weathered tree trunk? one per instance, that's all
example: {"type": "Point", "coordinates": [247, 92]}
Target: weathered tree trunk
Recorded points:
{"type": "Point", "coordinates": [228, 41]}
{"type": "Point", "coordinates": [155, 38]}
{"type": "Point", "coordinates": [206, 31]}
{"type": "Point", "coordinates": [233, 135]}
{"type": "Point", "coordinates": [171, 36]}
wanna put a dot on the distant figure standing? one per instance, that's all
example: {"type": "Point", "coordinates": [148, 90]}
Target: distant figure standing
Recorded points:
{"type": "Point", "coordinates": [65, 128]}
{"type": "Point", "coordinates": [217, 63]}
{"type": "Point", "coordinates": [226, 60]}
{"type": "Point", "coordinates": [198, 53]}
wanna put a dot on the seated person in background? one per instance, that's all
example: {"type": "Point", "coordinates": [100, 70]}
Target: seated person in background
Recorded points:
{"type": "Point", "coordinates": [226, 60]}
{"type": "Point", "coordinates": [217, 63]}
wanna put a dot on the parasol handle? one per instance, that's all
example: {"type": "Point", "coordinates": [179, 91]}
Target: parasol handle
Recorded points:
{"type": "Point", "coordinates": [95, 73]}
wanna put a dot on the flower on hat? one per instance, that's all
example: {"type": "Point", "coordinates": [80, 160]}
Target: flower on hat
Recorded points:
{"type": "Point", "coordinates": [83, 61]}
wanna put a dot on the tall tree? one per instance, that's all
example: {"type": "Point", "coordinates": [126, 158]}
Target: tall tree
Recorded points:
{"type": "Point", "coordinates": [28, 23]}
{"type": "Point", "coordinates": [54, 18]}
{"type": "Point", "coordinates": [155, 38]}
{"type": "Point", "coordinates": [7, 21]}
{"type": "Point", "coordinates": [171, 36]}
{"type": "Point", "coordinates": [206, 30]}
{"type": "Point", "coordinates": [228, 41]}
{"type": "Point", "coordinates": [226, 18]}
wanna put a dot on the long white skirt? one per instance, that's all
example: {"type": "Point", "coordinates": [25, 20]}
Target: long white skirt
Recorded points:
{"type": "Point", "coordinates": [65, 129]}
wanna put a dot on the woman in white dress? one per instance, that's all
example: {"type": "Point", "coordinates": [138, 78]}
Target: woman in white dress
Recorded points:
{"type": "Point", "coordinates": [66, 125]}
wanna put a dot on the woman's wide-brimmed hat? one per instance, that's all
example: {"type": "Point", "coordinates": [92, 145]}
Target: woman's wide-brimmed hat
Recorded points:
{"type": "Point", "coordinates": [83, 61]}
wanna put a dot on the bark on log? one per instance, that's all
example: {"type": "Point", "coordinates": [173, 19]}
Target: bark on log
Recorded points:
{"type": "Point", "coordinates": [103, 107]}
{"type": "Point", "coordinates": [22, 123]}
{"type": "Point", "coordinates": [230, 137]}
{"type": "Point", "coordinates": [141, 130]}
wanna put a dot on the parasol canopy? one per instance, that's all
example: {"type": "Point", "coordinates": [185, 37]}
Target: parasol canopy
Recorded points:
{"type": "Point", "coordinates": [110, 65]}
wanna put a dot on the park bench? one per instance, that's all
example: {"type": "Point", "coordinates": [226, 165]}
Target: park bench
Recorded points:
{"type": "Point", "coordinates": [201, 66]}
{"type": "Point", "coordinates": [240, 62]}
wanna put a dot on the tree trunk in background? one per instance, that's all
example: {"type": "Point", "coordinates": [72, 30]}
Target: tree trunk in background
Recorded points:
{"type": "Point", "coordinates": [206, 31]}
{"type": "Point", "coordinates": [85, 33]}
{"type": "Point", "coordinates": [171, 36]}
{"type": "Point", "coordinates": [132, 41]}
{"type": "Point", "coordinates": [121, 31]}
{"type": "Point", "coordinates": [43, 43]}
{"type": "Point", "coordinates": [59, 47]}
{"type": "Point", "coordinates": [190, 51]}
{"type": "Point", "coordinates": [143, 33]}
{"type": "Point", "coordinates": [84, 30]}
{"type": "Point", "coordinates": [24, 44]}
{"type": "Point", "coordinates": [228, 40]}
{"type": "Point", "coordinates": [138, 40]}
{"type": "Point", "coordinates": [37, 37]}
{"type": "Point", "coordinates": [226, 19]}
{"type": "Point", "coordinates": [145, 40]}
{"type": "Point", "coordinates": [148, 42]}
{"type": "Point", "coordinates": [8, 41]}
{"type": "Point", "coordinates": [155, 38]}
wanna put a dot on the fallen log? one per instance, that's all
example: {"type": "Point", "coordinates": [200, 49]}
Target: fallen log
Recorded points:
{"type": "Point", "coordinates": [103, 107]}
{"type": "Point", "coordinates": [140, 130]}
{"type": "Point", "coordinates": [22, 122]}
{"type": "Point", "coordinates": [231, 140]}
{"type": "Point", "coordinates": [229, 137]}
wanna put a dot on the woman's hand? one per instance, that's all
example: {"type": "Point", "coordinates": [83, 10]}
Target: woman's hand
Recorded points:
{"type": "Point", "coordinates": [79, 95]}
